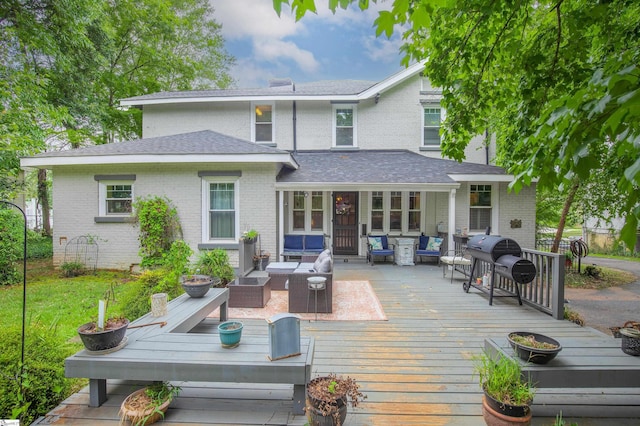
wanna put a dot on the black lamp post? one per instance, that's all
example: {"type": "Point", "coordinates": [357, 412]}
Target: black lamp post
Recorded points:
{"type": "Point", "coordinates": [24, 286]}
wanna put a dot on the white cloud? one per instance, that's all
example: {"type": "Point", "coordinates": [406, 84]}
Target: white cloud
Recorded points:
{"type": "Point", "coordinates": [274, 50]}
{"type": "Point", "coordinates": [253, 19]}
{"type": "Point", "coordinates": [382, 49]}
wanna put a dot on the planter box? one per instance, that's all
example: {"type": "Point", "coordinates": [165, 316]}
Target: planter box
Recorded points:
{"type": "Point", "coordinates": [249, 292]}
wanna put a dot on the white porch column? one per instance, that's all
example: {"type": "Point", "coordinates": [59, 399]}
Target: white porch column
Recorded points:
{"type": "Point", "coordinates": [452, 218]}
{"type": "Point", "coordinates": [280, 243]}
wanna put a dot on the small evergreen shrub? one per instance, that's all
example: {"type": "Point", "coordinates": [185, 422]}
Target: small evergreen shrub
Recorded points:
{"type": "Point", "coordinates": [44, 384]}
{"type": "Point", "coordinates": [215, 263]}
{"type": "Point", "coordinates": [11, 246]}
{"type": "Point", "coordinates": [136, 297]}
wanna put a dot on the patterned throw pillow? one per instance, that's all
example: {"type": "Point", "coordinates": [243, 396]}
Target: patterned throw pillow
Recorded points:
{"type": "Point", "coordinates": [375, 243]}
{"type": "Point", "coordinates": [434, 244]}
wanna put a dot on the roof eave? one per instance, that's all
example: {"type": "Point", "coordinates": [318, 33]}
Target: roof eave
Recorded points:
{"type": "Point", "coordinates": [48, 162]}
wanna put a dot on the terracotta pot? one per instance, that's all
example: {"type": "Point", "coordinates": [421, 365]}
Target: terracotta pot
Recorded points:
{"type": "Point", "coordinates": [141, 416]}
{"type": "Point", "coordinates": [493, 417]}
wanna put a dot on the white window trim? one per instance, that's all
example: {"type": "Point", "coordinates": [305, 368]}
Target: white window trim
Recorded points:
{"type": "Point", "coordinates": [273, 122]}
{"type": "Point", "coordinates": [206, 180]}
{"type": "Point", "coordinates": [307, 213]}
{"type": "Point", "coordinates": [495, 202]}
{"type": "Point", "coordinates": [102, 196]}
{"type": "Point", "coordinates": [354, 108]}
{"type": "Point", "coordinates": [443, 115]}
{"type": "Point", "coordinates": [386, 213]}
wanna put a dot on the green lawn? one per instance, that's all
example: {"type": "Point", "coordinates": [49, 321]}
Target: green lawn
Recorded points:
{"type": "Point", "coordinates": [65, 303]}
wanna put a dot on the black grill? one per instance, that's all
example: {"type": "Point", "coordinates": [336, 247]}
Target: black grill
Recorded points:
{"type": "Point", "coordinates": [504, 256]}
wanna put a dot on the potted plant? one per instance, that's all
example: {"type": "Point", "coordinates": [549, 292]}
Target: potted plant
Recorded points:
{"type": "Point", "coordinates": [328, 397]}
{"type": "Point", "coordinates": [148, 405]}
{"type": "Point", "coordinates": [250, 236]}
{"type": "Point", "coordinates": [534, 347]}
{"type": "Point", "coordinates": [215, 263]}
{"type": "Point", "coordinates": [507, 395]}
{"type": "Point", "coordinates": [568, 259]}
{"type": "Point", "coordinates": [230, 333]}
{"type": "Point", "coordinates": [196, 285]}
{"type": "Point", "coordinates": [261, 260]}
{"type": "Point", "coordinates": [103, 334]}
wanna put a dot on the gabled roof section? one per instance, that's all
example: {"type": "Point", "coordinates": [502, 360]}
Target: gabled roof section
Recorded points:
{"type": "Point", "coordinates": [331, 90]}
{"type": "Point", "coordinates": [196, 147]}
{"type": "Point", "coordinates": [382, 168]}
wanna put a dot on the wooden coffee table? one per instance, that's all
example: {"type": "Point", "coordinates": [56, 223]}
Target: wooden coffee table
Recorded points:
{"type": "Point", "coordinates": [249, 292]}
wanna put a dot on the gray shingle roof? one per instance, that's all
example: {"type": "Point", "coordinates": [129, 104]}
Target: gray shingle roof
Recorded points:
{"type": "Point", "coordinates": [317, 88]}
{"type": "Point", "coordinates": [202, 142]}
{"type": "Point", "coordinates": [378, 166]}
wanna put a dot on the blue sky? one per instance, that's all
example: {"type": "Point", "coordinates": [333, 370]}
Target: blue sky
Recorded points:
{"type": "Point", "coordinates": [321, 46]}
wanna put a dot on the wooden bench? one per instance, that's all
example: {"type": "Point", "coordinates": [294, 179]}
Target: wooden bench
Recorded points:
{"type": "Point", "coordinates": [589, 362]}
{"type": "Point", "coordinates": [171, 353]}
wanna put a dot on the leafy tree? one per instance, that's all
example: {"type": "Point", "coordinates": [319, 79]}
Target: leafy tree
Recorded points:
{"type": "Point", "coordinates": [557, 82]}
{"type": "Point", "coordinates": [65, 65]}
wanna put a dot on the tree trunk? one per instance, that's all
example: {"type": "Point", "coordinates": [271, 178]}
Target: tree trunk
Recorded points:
{"type": "Point", "coordinates": [43, 197]}
{"type": "Point", "coordinates": [563, 218]}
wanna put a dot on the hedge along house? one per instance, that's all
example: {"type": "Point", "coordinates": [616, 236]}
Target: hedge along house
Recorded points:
{"type": "Point", "coordinates": [336, 158]}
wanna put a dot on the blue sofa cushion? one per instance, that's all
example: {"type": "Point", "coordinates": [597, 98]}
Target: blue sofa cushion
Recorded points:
{"type": "Point", "coordinates": [422, 244]}
{"type": "Point", "coordinates": [293, 242]}
{"type": "Point", "coordinates": [314, 242]}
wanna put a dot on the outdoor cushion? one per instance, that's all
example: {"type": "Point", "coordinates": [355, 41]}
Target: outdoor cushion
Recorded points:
{"type": "Point", "coordinates": [324, 254]}
{"type": "Point", "coordinates": [434, 244]}
{"type": "Point", "coordinates": [325, 266]}
{"type": "Point", "coordinates": [314, 242]}
{"type": "Point", "coordinates": [376, 243]}
{"type": "Point", "coordinates": [422, 244]}
{"type": "Point", "coordinates": [293, 242]}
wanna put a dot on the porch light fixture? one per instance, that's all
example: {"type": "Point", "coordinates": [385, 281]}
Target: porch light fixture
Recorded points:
{"type": "Point", "coordinates": [258, 111]}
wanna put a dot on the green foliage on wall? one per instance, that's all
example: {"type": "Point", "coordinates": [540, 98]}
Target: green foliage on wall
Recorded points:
{"type": "Point", "coordinates": [159, 227]}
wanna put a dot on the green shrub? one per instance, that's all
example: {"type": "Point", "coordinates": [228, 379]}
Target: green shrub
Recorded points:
{"type": "Point", "coordinates": [176, 261]}
{"type": "Point", "coordinates": [136, 297]}
{"type": "Point", "coordinates": [72, 269]}
{"type": "Point", "coordinates": [38, 246]}
{"type": "Point", "coordinates": [159, 227]}
{"type": "Point", "coordinates": [44, 384]}
{"type": "Point", "coordinates": [216, 264]}
{"type": "Point", "coordinates": [11, 246]}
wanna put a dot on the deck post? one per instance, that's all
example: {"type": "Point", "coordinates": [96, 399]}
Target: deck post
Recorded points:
{"type": "Point", "coordinates": [557, 295]}
{"type": "Point", "coordinates": [97, 392]}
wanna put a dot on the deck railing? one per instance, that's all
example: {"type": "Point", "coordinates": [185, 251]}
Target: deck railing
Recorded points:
{"type": "Point", "coordinates": [546, 291]}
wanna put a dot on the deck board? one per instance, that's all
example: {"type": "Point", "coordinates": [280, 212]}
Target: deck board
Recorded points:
{"type": "Point", "coordinates": [416, 368]}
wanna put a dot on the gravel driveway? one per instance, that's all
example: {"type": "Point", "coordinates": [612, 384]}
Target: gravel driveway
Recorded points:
{"type": "Point", "coordinates": [609, 307]}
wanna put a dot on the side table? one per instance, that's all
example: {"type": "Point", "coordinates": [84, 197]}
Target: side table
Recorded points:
{"type": "Point", "coordinates": [404, 251]}
{"type": "Point", "coordinates": [249, 292]}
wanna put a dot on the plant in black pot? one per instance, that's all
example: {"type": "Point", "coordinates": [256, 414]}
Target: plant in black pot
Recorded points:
{"type": "Point", "coordinates": [327, 399]}
{"type": "Point", "coordinates": [534, 347]}
{"type": "Point", "coordinates": [105, 333]}
{"type": "Point", "coordinates": [507, 395]}
{"type": "Point", "coordinates": [250, 236]}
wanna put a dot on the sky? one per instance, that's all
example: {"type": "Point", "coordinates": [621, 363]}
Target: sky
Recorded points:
{"type": "Point", "coordinates": [320, 46]}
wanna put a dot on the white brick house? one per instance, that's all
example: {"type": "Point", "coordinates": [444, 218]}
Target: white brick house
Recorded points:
{"type": "Point", "coordinates": [283, 158]}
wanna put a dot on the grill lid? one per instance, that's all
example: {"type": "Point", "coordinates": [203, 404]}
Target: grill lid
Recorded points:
{"type": "Point", "coordinates": [490, 247]}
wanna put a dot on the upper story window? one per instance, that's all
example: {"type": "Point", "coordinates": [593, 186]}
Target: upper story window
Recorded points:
{"type": "Point", "coordinates": [307, 215]}
{"type": "Point", "coordinates": [344, 123]}
{"type": "Point", "coordinates": [262, 124]}
{"type": "Point", "coordinates": [480, 207]}
{"type": "Point", "coordinates": [221, 209]}
{"type": "Point", "coordinates": [432, 117]}
{"type": "Point", "coordinates": [115, 194]}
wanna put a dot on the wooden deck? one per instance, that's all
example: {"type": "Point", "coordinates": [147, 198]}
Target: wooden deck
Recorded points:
{"type": "Point", "coordinates": [415, 368]}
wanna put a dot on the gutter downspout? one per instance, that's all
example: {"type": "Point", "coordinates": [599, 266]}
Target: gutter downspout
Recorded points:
{"type": "Point", "coordinates": [295, 120]}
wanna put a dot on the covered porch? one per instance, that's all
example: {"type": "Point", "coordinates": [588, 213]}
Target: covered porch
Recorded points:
{"type": "Point", "coordinates": [415, 368]}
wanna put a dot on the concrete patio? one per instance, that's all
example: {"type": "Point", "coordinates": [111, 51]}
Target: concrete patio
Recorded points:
{"type": "Point", "coordinates": [416, 368]}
